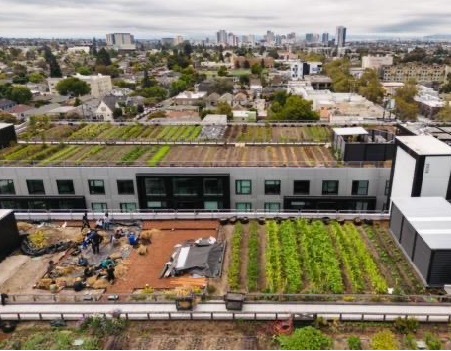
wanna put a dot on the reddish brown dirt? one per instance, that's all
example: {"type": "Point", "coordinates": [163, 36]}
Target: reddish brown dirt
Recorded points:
{"type": "Point", "coordinates": [147, 269]}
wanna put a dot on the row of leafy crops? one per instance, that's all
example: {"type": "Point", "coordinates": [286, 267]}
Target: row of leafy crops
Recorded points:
{"type": "Point", "coordinates": [159, 156]}
{"type": "Point", "coordinates": [234, 274]}
{"type": "Point", "coordinates": [307, 257]}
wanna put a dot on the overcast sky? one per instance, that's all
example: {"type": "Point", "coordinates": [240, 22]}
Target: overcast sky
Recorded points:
{"type": "Point", "coordinates": [197, 18]}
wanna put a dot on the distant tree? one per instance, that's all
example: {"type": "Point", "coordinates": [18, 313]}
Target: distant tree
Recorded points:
{"type": "Point", "coordinates": [73, 86]}
{"type": "Point", "coordinates": [187, 49]}
{"type": "Point", "coordinates": [77, 102]}
{"type": "Point", "coordinates": [21, 95]}
{"type": "Point", "coordinates": [256, 69]}
{"type": "Point", "coordinates": [262, 50]}
{"type": "Point", "coordinates": [244, 79]}
{"type": "Point", "coordinates": [246, 64]}
{"type": "Point", "coordinates": [295, 108]}
{"type": "Point", "coordinates": [103, 58]}
{"type": "Point", "coordinates": [370, 86]}
{"type": "Point", "coordinates": [224, 108]}
{"type": "Point", "coordinates": [145, 83]}
{"type": "Point", "coordinates": [444, 114]}
{"type": "Point", "coordinates": [36, 78]}
{"type": "Point", "coordinates": [84, 70]}
{"type": "Point", "coordinates": [94, 47]}
{"type": "Point", "coordinates": [54, 67]}
{"type": "Point", "coordinates": [117, 112]}
{"type": "Point", "coordinates": [273, 53]}
{"type": "Point", "coordinates": [406, 107]}
{"type": "Point", "coordinates": [140, 108]}
{"type": "Point", "coordinates": [222, 72]}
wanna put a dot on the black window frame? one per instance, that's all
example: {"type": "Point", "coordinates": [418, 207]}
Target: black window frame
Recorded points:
{"type": "Point", "coordinates": [103, 208]}
{"type": "Point", "coordinates": [326, 191]}
{"type": "Point", "coordinates": [267, 206]}
{"type": "Point", "coordinates": [125, 182]}
{"type": "Point", "coordinates": [220, 186]}
{"type": "Point", "coordinates": [123, 205]}
{"type": "Point", "coordinates": [248, 206]}
{"type": "Point", "coordinates": [161, 182]}
{"type": "Point", "coordinates": [92, 186]}
{"type": "Point", "coordinates": [296, 190]}
{"type": "Point", "coordinates": [357, 187]}
{"type": "Point", "coordinates": [9, 185]}
{"type": "Point", "coordinates": [272, 183]}
{"type": "Point", "coordinates": [31, 183]}
{"type": "Point", "coordinates": [59, 184]}
{"type": "Point", "coordinates": [239, 188]}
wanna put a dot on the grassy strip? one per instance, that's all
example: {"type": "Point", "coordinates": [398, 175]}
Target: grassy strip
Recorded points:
{"type": "Point", "coordinates": [92, 152]}
{"type": "Point", "coordinates": [61, 155]}
{"type": "Point", "coordinates": [159, 156]}
{"type": "Point", "coordinates": [253, 268]}
{"type": "Point", "coordinates": [235, 263]}
{"type": "Point", "coordinates": [133, 155]}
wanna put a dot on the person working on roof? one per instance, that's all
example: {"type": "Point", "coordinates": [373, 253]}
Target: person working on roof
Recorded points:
{"type": "Point", "coordinates": [85, 221]}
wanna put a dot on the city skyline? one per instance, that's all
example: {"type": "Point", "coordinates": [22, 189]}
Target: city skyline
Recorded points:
{"type": "Point", "coordinates": [152, 19]}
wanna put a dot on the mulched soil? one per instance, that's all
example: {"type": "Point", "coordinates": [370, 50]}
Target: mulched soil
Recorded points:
{"type": "Point", "coordinates": [147, 269]}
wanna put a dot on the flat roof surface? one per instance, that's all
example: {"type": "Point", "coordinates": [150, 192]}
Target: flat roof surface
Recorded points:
{"type": "Point", "coordinates": [431, 218]}
{"type": "Point", "coordinates": [4, 125]}
{"type": "Point", "coordinates": [350, 131]}
{"type": "Point", "coordinates": [425, 145]}
{"type": "Point", "coordinates": [4, 213]}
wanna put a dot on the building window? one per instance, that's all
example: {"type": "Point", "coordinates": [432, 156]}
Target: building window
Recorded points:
{"type": "Point", "coordinates": [243, 187]}
{"type": "Point", "coordinates": [185, 187]}
{"type": "Point", "coordinates": [96, 187]}
{"type": "Point", "coordinates": [65, 186]}
{"type": "Point", "coordinates": [330, 187]}
{"type": "Point", "coordinates": [128, 206]}
{"type": "Point", "coordinates": [361, 206]}
{"type": "Point", "coordinates": [211, 205]}
{"type": "Point", "coordinates": [387, 187]}
{"type": "Point", "coordinates": [156, 204]}
{"type": "Point", "coordinates": [7, 187]}
{"type": "Point", "coordinates": [125, 187]}
{"type": "Point", "coordinates": [155, 186]}
{"type": "Point", "coordinates": [272, 206]}
{"type": "Point", "coordinates": [301, 187]}
{"type": "Point", "coordinates": [213, 186]}
{"type": "Point", "coordinates": [243, 206]}
{"type": "Point", "coordinates": [99, 207]}
{"type": "Point", "coordinates": [35, 187]}
{"type": "Point", "coordinates": [360, 187]}
{"type": "Point", "coordinates": [272, 187]}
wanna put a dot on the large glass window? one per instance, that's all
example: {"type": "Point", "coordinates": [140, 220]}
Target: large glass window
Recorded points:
{"type": "Point", "coordinates": [272, 206]}
{"type": "Point", "coordinates": [213, 186]}
{"type": "Point", "coordinates": [301, 187]}
{"type": "Point", "coordinates": [128, 206]}
{"type": "Point", "coordinates": [96, 187]}
{"type": "Point", "coordinates": [156, 204]}
{"type": "Point", "coordinates": [185, 187]}
{"type": "Point", "coordinates": [330, 187]}
{"type": "Point", "coordinates": [35, 186]}
{"type": "Point", "coordinates": [7, 187]}
{"type": "Point", "coordinates": [99, 206]}
{"type": "Point", "coordinates": [243, 187]}
{"type": "Point", "coordinates": [244, 206]}
{"type": "Point", "coordinates": [212, 205]}
{"type": "Point", "coordinates": [360, 187]}
{"type": "Point", "coordinates": [65, 186]}
{"type": "Point", "coordinates": [155, 186]}
{"type": "Point", "coordinates": [125, 187]}
{"type": "Point", "coordinates": [272, 187]}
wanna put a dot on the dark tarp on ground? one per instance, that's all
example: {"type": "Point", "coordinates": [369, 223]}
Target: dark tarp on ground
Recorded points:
{"type": "Point", "coordinates": [202, 260]}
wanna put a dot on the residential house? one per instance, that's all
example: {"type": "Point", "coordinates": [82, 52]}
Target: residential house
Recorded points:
{"type": "Point", "coordinates": [6, 105]}
{"type": "Point", "coordinates": [240, 99]}
{"type": "Point", "coordinates": [18, 111]}
{"type": "Point", "coordinates": [189, 98]}
{"type": "Point", "coordinates": [100, 84]}
{"type": "Point", "coordinates": [227, 97]}
{"type": "Point", "coordinates": [244, 116]}
{"type": "Point", "coordinates": [212, 100]}
{"type": "Point", "coordinates": [106, 108]}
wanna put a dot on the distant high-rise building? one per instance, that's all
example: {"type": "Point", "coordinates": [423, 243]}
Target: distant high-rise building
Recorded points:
{"type": "Point", "coordinates": [221, 37]}
{"type": "Point", "coordinates": [270, 37]}
{"type": "Point", "coordinates": [178, 40]}
{"type": "Point", "coordinates": [309, 37]}
{"type": "Point", "coordinates": [291, 36]}
{"type": "Point", "coordinates": [325, 39]}
{"type": "Point", "coordinates": [340, 39]}
{"type": "Point", "coordinates": [120, 41]}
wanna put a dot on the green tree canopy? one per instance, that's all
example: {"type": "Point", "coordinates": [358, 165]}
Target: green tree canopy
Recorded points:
{"type": "Point", "coordinates": [307, 338]}
{"type": "Point", "coordinates": [295, 108]}
{"type": "Point", "coordinates": [21, 95]}
{"type": "Point", "coordinates": [36, 78]}
{"type": "Point", "coordinates": [406, 107]}
{"type": "Point", "coordinates": [54, 67]}
{"type": "Point", "coordinates": [444, 114]}
{"type": "Point", "coordinates": [256, 69]}
{"type": "Point", "coordinates": [103, 58]}
{"type": "Point", "coordinates": [224, 108]}
{"type": "Point", "coordinates": [222, 72]}
{"type": "Point", "coordinates": [384, 340]}
{"type": "Point", "coordinates": [73, 86]}
{"type": "Point", "coordinates": [370, 86]}
{"type": "Point", "coordinates": [85, 70]}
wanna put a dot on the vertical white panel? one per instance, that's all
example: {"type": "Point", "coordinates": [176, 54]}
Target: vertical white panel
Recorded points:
{"type": "Point", "coordinates": [403, 175]}
{"type": "Point", "coordinates": [436, 176]}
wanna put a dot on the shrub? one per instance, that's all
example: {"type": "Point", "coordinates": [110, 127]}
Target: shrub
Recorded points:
{"type": "Point", "coordinates": [307, 338]}
{"type": "Point", "coordinates": [354, 343]}
{"type": "Point", "coordinates": [433, 342]}
{"type": "Point", "coordinates": [410, 342]}
{"type": "Point", "coordinates": [406, 325]}
{"type": "Point", "coordinates": [384, 340]}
